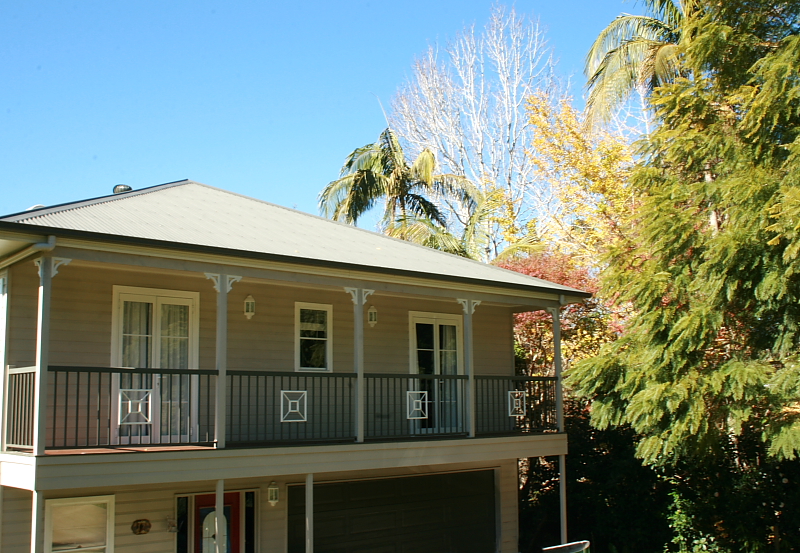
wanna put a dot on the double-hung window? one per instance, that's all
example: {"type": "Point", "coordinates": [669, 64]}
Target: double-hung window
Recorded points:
{"type": "Point", "coordinates": [313, 337]}
{"type": "Point", "coordinates": [83, 524]}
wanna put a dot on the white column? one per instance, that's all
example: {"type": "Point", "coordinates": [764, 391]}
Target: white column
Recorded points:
{"type": "Point", "coordinates": [222, 284]}
{"type": "Point", "coordinates": [221, 529]}
{"type": "Point", "coordinates": [359, 296]}
{"type": "Point", "coordinates": [309, 513]}
{"type": "Point", "coordinates": [48, 268]}
{"type": "Point", "coordinates": [3, 369]}
{"type": "Point", "coordinates": [37, 522]}
{"type": "Point", "coordinates": [469, 358]}
{"type": "Point", "coordinates": [562, 459]}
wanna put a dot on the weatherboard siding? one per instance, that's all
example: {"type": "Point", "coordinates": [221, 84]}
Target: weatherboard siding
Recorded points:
{"type": "Point", "coordinates": [81, 314]}
{"type": "Point", "coordinates": [16, 521]}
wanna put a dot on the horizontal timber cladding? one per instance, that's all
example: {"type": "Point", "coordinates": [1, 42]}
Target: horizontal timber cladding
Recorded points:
{"type": "Point", "coordinates": [16, 520]}
{"type": "Point", "coordinates": [81, 315]}
{"type": "Point", "coordinates": [453, 513]}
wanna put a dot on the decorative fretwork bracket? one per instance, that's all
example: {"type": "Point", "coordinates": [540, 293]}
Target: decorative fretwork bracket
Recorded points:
{"type": "Point", "coordinates": [229, 280]}
{"type": "Point", "coordinates": [56, 262]}
{"type": "Point", "coordinates": [365, 293]}
{"type": "Point", "coordinates": [469, 305]}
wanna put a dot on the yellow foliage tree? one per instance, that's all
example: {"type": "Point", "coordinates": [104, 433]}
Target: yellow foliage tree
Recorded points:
{"type": "Point", "coordinates": [587, 170]}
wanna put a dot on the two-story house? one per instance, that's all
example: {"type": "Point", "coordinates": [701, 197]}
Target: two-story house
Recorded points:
{"type": "Point", "coordinates": [180, 351]}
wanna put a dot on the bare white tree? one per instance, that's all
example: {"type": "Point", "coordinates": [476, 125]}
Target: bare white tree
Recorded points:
{"type": "Point", "coordinates": [467, 104]}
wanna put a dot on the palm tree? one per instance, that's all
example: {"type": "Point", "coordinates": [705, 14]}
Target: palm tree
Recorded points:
{"type": "Point", "coordinates": [475, 237]}
{"type": "Point", "coordinates": [380, 171]}
{"type": "Point", "coordinates": [634, 52]}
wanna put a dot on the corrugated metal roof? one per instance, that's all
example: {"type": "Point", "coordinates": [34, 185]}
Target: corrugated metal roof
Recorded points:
{"type": "Point", "coordinates": [188, 212]}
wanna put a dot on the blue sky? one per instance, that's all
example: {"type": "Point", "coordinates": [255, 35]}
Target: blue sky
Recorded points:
{"type": "Point", "coordinates": [261, 98]}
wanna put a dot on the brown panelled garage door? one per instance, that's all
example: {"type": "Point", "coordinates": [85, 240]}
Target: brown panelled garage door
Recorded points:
{"type": "Point", "coordinates": [443, 513]}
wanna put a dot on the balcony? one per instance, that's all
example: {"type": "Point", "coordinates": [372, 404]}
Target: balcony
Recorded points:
{"type": "Point", "coordinates": [101, 408]}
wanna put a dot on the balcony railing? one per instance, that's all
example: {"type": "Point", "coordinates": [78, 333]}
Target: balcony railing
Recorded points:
{"type": "Point", "coordinates": [91, 407]}
{"type": "Point", "coordinates": [20, 405]}
{"type": "Point", "coordinates": [414, 405]}
{"type": "Point", "coordinates": [274, 407]}
{"type": "Point", "coordinates": [515, 404]}
{"type": "Point", "coordinates": [100, 407]}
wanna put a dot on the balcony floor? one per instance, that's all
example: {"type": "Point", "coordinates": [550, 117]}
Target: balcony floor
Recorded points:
{"type": "Point", "coordinates": [129, 449]}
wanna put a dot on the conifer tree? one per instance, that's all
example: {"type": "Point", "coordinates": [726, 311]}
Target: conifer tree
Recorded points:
{"type": "Point", "coordinates": [714, 279]}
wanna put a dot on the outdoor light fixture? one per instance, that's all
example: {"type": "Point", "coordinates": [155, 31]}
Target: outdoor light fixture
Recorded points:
{"type": "Point", "coordinates": [272, 493]}
{"type": "Point", "coordinates": [372, 316]}
{"type": "Point", "coordinates": [249, 307]}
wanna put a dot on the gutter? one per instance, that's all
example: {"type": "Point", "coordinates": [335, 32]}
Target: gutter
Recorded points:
{"type": "Point", "coordinates": [29, 251]}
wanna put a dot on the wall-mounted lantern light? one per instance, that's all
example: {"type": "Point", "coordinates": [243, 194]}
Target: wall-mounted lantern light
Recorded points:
{"type": "Point", "coordinates": [272, 493]}
{"type": "Point", "coordinates": [372, 316]}
{"type": "Point", "coordinates": [249, 307]}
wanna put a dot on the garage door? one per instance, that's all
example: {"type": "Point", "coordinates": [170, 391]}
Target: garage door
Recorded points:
{"type": "Point", "coordinates": [444, 513]}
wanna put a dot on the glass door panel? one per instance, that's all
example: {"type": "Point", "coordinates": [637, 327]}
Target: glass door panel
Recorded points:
{"type": "Point", "coordinates": [174, 390]}
{"type": "Point", "coordinates": [437, 352]}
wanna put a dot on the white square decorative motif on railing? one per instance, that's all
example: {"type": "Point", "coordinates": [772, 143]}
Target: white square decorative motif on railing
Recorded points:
{"type": "Point", "coordinates": [293, 405]}
{"type": "Point", "coordinates": [417, 405]}
{"type": "Point", "coordinates": [135, 406]}
{"type": "Point", "coordinates": [516, 404]}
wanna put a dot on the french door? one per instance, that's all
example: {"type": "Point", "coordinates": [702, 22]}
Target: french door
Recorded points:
{"type": "Point", "coordinates": [155, 329]}
{"type": "Point", "coordinates": [436, 342]}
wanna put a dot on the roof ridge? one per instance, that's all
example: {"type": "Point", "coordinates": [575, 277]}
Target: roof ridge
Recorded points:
{"type": "Point", "coordinates": [69, 206]}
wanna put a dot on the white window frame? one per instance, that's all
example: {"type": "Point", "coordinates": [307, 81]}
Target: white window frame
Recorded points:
{"type": "Point", "coordinates": [329, 338]}
{"type": "Point", "coordinates": [121, 293]}
{"type": "Point", "coordinates": [48, 519]}
{"type": "Point", "coordinates": [434, 318]}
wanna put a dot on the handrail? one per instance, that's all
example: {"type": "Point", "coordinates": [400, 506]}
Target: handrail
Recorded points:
{"type": "Point", "coordinates": [517, 378]}
{"type": "Point", "coordinates": [21, 370]}
{"type": "Point", "coordinates": [290, 373]}
{"type": "Point", "coordinates": [572, 547]}
{"type": "Point", "coordinates": [130, 370]}
{"type": "Point", "coordinates": [420, 376]}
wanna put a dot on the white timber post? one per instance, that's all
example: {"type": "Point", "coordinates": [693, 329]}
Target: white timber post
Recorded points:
{"type": "Point", "coordinates": [48, 268]}
{"type": "Point", "coordinates": [4, 317]}
{"type": "Point", "coordinates": [222, 284]}
{"type": "Point", "coordinates": [37, 522]}
{"type": "Point", "coordinates": [220, 524]}
{"type": "Point", "coordinates": [309, 513]}
{"type": "Point", "coordinates": [359, 296]}
{"type": "Point", "coordinates": [562, 459]}
{"type": "Point", "coordinates": [469, 359]}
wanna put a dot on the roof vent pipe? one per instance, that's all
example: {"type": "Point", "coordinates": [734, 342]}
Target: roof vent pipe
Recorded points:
{"type": "Point", "coordinates": [122, 188]}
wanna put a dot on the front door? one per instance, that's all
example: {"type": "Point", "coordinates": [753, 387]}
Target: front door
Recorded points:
{"type": "Point", "coordinates": [436, 344]}
{"type": "Point", "coordinates": [205, 535]}
{"type": "Point", "coordinates": [155, 330]}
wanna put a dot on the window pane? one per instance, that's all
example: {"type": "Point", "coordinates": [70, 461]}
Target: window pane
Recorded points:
{"type": "Point", "coordinates": [81, 526]}
{"type": "Point", "coordinates": [424, 336]}
{"type": "Point", "coordinates": [448, 362]}
{"type": "Point", "coordinates": [312, 354]}
{"type": "Point", "coordinates": [425, 361]}
{"type": "Point", "coordinates": [174, 336]}
{"type": "Point", "coordinates": [313, 323]}
{"type": "Point", "coordinates": [175, 320]}
{"type": "Point", "coordinates": [136, 334]}
{"type": "Point", "coordinates": [447, 337]}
